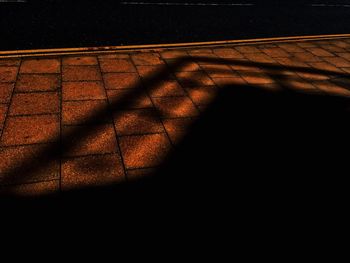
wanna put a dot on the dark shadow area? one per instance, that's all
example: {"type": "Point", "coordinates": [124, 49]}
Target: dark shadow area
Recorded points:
{"type": "Point", "coordinates": [251, 149]}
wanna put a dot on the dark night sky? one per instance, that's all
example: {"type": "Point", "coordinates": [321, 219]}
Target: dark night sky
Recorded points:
{"type": "Point", "coordinates": [64, 23]}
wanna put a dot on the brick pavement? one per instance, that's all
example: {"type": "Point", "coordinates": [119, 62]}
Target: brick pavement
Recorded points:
{"type": "Point", "coordinates": [71, 122]}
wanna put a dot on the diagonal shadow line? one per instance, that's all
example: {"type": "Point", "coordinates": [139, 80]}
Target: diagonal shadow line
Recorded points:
{"type": "Point", "coordinates": [229, 73]}
{"type": "Point", "coordinates": [274, 71]}
{"type": "Point", "coordinates": [268, 66]}
{"type": "Point", "coordinates": [276, 77]}
{"type": "Point", "coordinates": [52, 151]}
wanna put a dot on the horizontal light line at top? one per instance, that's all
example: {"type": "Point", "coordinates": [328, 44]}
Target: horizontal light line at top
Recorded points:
{"type": "Point", "coordinates": [220, 4]}
{"type": "Point", "coordinates": [13, 1]}
{"type": "Point", "coordinates": [328, 5]}
{"type": "Point", "coordinates": [186, 4]}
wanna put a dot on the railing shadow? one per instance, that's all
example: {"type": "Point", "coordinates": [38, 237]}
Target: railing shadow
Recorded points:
{"type": "Point", "coordinates": [249, 144]}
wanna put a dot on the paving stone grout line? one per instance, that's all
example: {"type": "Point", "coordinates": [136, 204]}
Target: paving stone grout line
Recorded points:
{"type": "Point", "coordinates": [60, 148]}
{"type": "Point", "coordinates": [9, 104]}
{"type": "Point", "coordinates": [110, 110]}
{"type": "Point", "coordinates": [160, 119]}
{"type": "Point", "coordinates": [330, 65]}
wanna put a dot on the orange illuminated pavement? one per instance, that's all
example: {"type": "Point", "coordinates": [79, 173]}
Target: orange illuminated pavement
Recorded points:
{"type": "Point", "coordinates": [71, 122]}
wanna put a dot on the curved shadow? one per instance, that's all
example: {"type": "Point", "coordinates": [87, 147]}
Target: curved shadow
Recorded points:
{"type": "Point", "coordinates": [249, 144]}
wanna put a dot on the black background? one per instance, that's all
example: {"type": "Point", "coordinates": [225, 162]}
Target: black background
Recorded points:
{"type": "Point", "coordinates": [54, 23]}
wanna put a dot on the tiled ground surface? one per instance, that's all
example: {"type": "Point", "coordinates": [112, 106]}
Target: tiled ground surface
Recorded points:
{"type": "Point", "coordinates": [71, 122]}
